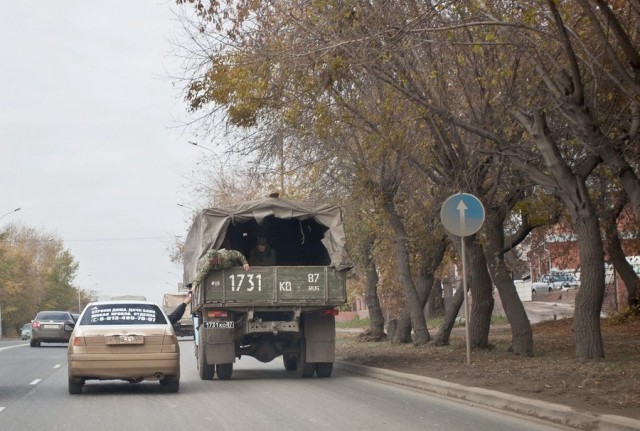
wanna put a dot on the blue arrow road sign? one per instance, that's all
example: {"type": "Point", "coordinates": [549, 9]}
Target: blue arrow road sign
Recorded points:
{"type": "Point", "coordinates": [462, 214]}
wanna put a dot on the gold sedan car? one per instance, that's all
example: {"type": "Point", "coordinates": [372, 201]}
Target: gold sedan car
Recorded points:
{"type": "Point", "coordinates": [123, 340]}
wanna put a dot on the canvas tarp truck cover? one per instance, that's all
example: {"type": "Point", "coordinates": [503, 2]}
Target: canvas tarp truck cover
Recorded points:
{"type": "Point", "coordinates": [211, 226]}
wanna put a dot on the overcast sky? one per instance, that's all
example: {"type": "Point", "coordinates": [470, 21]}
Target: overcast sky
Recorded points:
{"type": "Point", "coordinates": [87, 145]}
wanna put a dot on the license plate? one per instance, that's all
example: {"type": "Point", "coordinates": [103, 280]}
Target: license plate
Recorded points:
{"type": "Point", "coordinates": [50, 326]}
{"type": "Point", "coordinates": [222, 324]}
{"type": "Point", "coordinates": [125, 339]}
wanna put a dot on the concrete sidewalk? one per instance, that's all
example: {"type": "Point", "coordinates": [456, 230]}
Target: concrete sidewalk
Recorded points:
{"type": "Point", "coordinates": [538, 311]}
{"type": "Point", "coordinates": [554, 413]}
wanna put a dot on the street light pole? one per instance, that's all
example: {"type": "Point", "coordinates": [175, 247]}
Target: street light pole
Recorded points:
{"type": "Point", "coordinates": [10, 212]}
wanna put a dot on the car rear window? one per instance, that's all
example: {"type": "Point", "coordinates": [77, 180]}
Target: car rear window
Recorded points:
{"type": "Point", "coordinates": [123, 314]}
{"type": "Point", "coordinates": [53, 315]}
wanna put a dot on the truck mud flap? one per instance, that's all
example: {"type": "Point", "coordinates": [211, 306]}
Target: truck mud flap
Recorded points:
{"type": "Point", "coordinates": [320, 336]}
{"type": "Point", "coordinates": [220, 345]}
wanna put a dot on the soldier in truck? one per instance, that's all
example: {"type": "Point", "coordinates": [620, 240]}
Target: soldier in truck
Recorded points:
{"type": "Point", "coordinates": [220, 259]}
{"type": "Point", "coordinates": [262, 254]}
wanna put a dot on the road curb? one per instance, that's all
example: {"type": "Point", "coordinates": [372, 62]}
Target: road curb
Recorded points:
{"type": "Point", "coordinates": [555, 413]}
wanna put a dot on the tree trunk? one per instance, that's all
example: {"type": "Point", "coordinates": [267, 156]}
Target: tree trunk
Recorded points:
{"type": "Point", "coordinates": [588, 303]}
{"type": "Point", "coordinates": [402, 331]}
{"type": "Point", "coordinates": [572, 190]}
{"type": "Point", "coordinates": [623, 267]}
{"type": "Point", "coordinates": [435, 305]}
{"type": "Point", "coordinates": [442, 339]}
{"type": "Point", "coordinates": [610, 153]}
{"type": "Point", "coordinates": [376, 318]}
{"type": "Point", "coordinates": [431, 258]}
{"type": "Point", "coordinates": [423, 287]}
{"type": "Point", "coordinates": [481, 294]}
{"type": "Point", "coordinates": [418, 322]}
{"type": "Point", "coordinates": [521, 333]}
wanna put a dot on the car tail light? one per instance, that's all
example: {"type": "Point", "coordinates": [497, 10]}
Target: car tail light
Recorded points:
{"type": "Point", "coordinates": [79, 341]}
{"type": "Point", "coordinates": [169, 343]}
{"type": "Point", "coordinates": [169, 339]}
{"type": "Point", "coordinates": [330, 312]}
{"type": "Point", "coordinates": [216, 313]}
{"type": "Point", "coordinates": [35, 325]}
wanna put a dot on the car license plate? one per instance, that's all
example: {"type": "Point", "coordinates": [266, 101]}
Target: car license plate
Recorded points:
{"type": "Point", "coordinates": [50, 326]}
{"type": "Point", "coordinates": [222, 324]}
{"type": "Point", "coordinates": [125, 339]}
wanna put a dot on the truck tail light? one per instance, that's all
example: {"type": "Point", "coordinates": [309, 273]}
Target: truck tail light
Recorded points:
{"type": "Point", "coordinates": [330, 312]}
{"type": "Point", "coordinates": [216, 313]}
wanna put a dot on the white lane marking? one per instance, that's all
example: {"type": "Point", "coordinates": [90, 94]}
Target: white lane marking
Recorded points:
{"type": "Point", "coordinates": [11, 347]}
{"type": "Point", "coordinates": [1, 408]}
{"type": "Point", "coordinates": [35, 382]}
{"type": "Point", "coordinates": [57, 366]}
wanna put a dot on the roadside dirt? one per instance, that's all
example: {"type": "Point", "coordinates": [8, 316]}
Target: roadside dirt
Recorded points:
{"type": "Point", "coordinates": [610, 386]}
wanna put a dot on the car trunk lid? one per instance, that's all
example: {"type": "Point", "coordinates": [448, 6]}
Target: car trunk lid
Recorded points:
{"type": "Point", "coordinates": [119, 339]}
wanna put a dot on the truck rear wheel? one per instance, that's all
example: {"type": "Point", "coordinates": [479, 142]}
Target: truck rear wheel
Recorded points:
{"type": "Point", "coordinates": [224, 371]}
{"type": "Point", "coordinates": [290, 362]}
{"type": "Point", "coordinates": [324, 369]}
{"type": "Point", "coordinates": [305, 369]}
{"type": "Point", "coordinates": [205, 370]}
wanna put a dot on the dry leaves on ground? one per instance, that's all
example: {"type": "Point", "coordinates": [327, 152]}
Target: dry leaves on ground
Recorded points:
{"type": "Point", "coordinates": [610, 386]}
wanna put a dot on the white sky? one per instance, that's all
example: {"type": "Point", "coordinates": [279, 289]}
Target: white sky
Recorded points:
{"type": "Point", "coordinates": [87, 145]}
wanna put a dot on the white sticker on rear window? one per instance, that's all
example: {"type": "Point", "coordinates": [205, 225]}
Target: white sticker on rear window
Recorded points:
{"type": "Point", "coordinates": [122, 314]}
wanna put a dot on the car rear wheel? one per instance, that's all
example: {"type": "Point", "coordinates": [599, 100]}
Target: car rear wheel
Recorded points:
{"type": "Point", "coordinates": [324, 369]}
{"type": "Point", "coordinates": [172, 383]}
{"type": "Point", "coordinates": [75, 386]}
{"type": "Point", "coordinates": [34, 343]}
{"type": "Point", "coordinates": [224, 371]}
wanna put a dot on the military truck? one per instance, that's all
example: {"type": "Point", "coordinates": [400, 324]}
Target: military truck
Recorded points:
{"type": "Point", "coordinates": [184, 327]}
{"type": "Point", "coordinates": [287, 310]}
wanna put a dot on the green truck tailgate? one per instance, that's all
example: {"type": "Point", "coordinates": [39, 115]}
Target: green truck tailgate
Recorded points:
{"type": "Point", "coordinates": [273, 286]}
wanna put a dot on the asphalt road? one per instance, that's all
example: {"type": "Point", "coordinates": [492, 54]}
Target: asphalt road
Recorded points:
{"type": "Point", "coordinates": [33, 396]}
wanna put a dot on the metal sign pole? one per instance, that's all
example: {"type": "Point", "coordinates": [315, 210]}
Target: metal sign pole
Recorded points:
{"type": "Point", "coordinates": [462, 215]}
{"type": "Point", "coordinates": [465, 302]}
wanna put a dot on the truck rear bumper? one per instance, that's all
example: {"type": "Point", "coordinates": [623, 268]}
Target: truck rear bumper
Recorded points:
{"type": "Point", "coordinates": [273, 327]}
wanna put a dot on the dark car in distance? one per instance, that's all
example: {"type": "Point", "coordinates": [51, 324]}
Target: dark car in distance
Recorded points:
{"type": "Point", "coordinates": [49, 327]}
{"type": "Point", "coordinates": [25, 334]}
